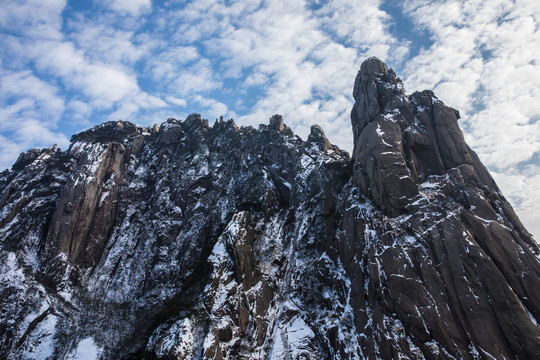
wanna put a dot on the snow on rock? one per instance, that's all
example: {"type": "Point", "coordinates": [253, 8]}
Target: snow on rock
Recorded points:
{"type": "Point", "coordinates": [40, 344]}
{"type": "Point", "coordinates": [192, 241]}
{"type": "Point", "coordinates": [86, 350]}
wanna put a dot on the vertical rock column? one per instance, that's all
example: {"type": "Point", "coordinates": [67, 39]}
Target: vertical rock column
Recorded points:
{"type": "Point", "coordinates": [380, 169]}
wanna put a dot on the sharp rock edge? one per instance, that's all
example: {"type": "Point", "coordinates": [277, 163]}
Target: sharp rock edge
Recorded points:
{"type": "Point", "coordinates": [192, 241]}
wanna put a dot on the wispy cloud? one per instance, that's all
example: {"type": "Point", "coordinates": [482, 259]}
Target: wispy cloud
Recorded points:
{"type": "Point", "coordinates": [101, 41]}
{"type": "Point", "coordinates": [129, 7]}
{"type": "Point", "coordinates": [32, 18]}
{"type": "Point", "coordinates": [22, 94]}
{"type": "Point", "coordinates": [29, 112]}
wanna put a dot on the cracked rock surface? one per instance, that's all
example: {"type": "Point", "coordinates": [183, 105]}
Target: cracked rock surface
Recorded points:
{"type": "Point", "coordinates": [211, 241]}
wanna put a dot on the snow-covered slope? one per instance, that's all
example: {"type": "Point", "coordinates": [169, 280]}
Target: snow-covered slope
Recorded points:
{"type": "Point", "coordinates": [192, 241]}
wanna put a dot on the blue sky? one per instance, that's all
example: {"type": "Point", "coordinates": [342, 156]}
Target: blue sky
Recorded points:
{"type": "Point", "coordinates": [68, 65]}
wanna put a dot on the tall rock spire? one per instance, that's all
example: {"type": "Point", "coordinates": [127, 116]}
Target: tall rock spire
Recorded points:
{"type": "Point", "coordinates": [411, 160]}
{"type": "Point", "coordinates": [380, 164]}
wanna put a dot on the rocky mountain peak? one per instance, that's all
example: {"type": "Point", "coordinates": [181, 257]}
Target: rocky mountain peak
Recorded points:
{"type": "Point", "coordinates": [191, 241]}
{"type": "Point", "coordinates": [400, 141]}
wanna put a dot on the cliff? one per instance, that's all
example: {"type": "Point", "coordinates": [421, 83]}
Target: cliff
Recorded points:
{"type": "Point", "coordinates": [199, 241]}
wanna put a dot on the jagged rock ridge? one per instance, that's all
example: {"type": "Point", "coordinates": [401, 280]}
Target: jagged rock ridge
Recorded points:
{"type": "Point", "coordinates": [192, 241]}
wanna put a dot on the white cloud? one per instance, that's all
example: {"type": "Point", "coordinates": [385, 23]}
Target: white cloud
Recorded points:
{"type": "Point", "coordinates": [23, 95]}
{"type": "Point", "coordinates": [102, 42]}
{"type": "Point", "coordinates": [133, 107]}
{"type": "Point", "coordinates": [105, 85]}
{"type": "Point", "coordinates": [79, 107]}
{"type": "Point", "coordinates": [364, 26]}
{"type": "Point", "coordinates": [9, 151]}
{"type": "Point", "coordinates": [29, 133]}
{"type": "Point", "coordinates": [164, 65]}
{"type": "Point", "coordinates": [197, 78]}
{"type": "Point", "coordinates": [256, 79]}
{"type": "Point", "coordinates": [130, 7]}
{"type": "Point", "coordinates": [176, 101]}
{"type": "Point", "coordinates": [30, 109]}
{"type": "Point", "coordinates": [34, 132]}
{"type": "Point", "coordinates": [34, 18]}
{"type": "Point", "coordinates": [79, 112]}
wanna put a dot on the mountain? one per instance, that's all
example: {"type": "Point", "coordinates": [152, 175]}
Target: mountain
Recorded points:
{"type": "Point", "coordinates": [191, 241]}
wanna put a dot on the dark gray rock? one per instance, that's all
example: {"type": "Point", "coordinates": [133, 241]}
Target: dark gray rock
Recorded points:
{"type": "Point", "coordinates": [109, 131]}
{"type": "Point", "coordinates": [442, 256]}
{"type": "Point", "coordinates": [191, 121]}
{"type": "Point", "coordinates": [186, 241]}
{"type": "Point", "coordinates": [169, 133]}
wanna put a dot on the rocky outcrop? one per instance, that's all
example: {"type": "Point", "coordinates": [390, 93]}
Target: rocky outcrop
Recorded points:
{"type": "Point", "coordinates": [444, 246]}
{"type": "Point", "coordinates": [317, 136]}
{"type": "Point", "coordinates": [191, 241]}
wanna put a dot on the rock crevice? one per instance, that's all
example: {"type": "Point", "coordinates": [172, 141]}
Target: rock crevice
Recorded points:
{"type": "Point", "coordinates": [191, 241]}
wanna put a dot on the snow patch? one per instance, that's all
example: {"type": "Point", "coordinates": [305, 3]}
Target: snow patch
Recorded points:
{"type": "Point", "coordinates": [40, 343]}
{"type": "Point", "coordinates": [86, 350]}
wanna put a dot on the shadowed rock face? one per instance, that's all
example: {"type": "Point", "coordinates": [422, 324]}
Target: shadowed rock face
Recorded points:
{"type": "Point", "coordinates": [191, 241]}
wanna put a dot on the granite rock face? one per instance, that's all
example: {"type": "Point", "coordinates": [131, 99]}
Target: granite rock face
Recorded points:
{"type": "Point", "coordinates": [448, 246]}
{"type": "Point", "coordinates": [191, 241]}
